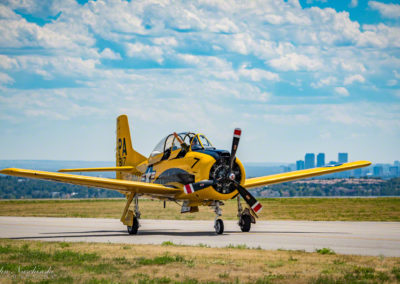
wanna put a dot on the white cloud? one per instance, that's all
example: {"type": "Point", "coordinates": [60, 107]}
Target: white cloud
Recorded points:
{"type": "Point", "coordinates": [109, 54]}
{"type": "Point", "coordinates": [391, 83]}
{"type": "Point", "coordinates": [386, 10]}
{"type": "Point", "coordinates": [342, 91]}
{"type": "Point", "coordinates": [5, 79]}
{"type": "Point", "coordinates": [295, 62]}
{"type": "Point", "coordinates": [324, 82]}
{"type": "Point", "coordinates": [354, 78]}
{"type": "Point", "coordinates": [170, 41]}
{"type": "Point", "coordinates": [256, 74]}
{"type": "Point", "coordinates": [353, 3]}
{"type": "Point", "coordinates": [140, 50]}
{"type": "Point", "coordinates": [7, 62]}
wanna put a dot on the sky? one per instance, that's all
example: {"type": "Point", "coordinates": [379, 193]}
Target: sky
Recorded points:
{"type": "Point", "coordinates": [296, 76]}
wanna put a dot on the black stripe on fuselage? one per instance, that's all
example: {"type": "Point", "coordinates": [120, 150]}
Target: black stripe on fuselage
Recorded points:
{"type": "Point", "coordinates": [175, 175]}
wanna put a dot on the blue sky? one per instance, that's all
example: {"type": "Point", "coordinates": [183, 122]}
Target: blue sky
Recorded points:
{"type": "Point", "coordinates": [297, 77]}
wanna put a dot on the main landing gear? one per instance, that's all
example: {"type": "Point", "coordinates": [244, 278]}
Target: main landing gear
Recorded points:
{"type": "Point", "coordinates": [130, 219]}
{"type": "Point", "coordinates": [245, 217]}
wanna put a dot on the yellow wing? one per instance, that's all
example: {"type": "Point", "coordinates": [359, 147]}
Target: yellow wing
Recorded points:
{"type": "Point", "coordinates": [116, 184]}
{"type": "Point", "coordinates": [279, 178]}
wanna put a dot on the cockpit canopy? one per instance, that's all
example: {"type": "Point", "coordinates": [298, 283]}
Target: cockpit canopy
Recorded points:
{"type": "Point", "coordinates": [195, 141]}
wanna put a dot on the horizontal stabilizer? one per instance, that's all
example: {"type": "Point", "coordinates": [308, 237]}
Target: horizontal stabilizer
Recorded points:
{"type": "Point", "coordinates": [103, 169]}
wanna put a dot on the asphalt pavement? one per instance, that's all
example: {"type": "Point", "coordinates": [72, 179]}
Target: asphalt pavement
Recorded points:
{"type": "Point", "coordinates": [362, 238]}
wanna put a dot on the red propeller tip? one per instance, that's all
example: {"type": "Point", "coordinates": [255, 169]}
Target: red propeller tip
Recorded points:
{"type": "Point", "coordinates": [188, 188]}
{"type": "Point", "coordinates": [256, 207]}
{"type": "Point", "coordinates": [237, 132]}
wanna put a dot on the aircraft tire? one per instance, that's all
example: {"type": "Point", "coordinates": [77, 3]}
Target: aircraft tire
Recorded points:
{"type": "Point", "coordinates": [219, 226]}
{"type": "Point", "coordinates": [132, 230]}
{"type": "Point", "coordinates": [245, 223]}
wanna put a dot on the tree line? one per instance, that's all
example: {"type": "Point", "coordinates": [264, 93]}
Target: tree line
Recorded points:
{"type": "Point", "coordinates": [23, 188]}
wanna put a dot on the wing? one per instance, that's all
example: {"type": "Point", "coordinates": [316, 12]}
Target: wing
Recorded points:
{"type": "Point", "coordinates": [284, 177]}
{"type": "Point", "coordinates": [115, 184]}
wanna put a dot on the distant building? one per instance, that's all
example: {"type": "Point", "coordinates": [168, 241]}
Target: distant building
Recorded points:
{"type": "Point", "coordinates": [309, 161]}
{"type": "Point", "coordinates": [343, 158]}
{"type": "Point", "coordinates": [378, 171]}
{"type": "Point", "coordinates": [320, 160]}
{"type": "Point", "coordinates": [300, 165]}
{"type": "Point", "coordinates": [397, 163]}
{"type": "Point", "coordinates": [285, 169]}
{"type": "Point", "coordinates": [357, 173]}
{"type": "Point", "coordinates": [394, 171]}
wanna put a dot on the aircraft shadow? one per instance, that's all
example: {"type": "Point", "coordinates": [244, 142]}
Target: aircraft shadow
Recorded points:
{"type": "Point", "coordinates": [100, 233]}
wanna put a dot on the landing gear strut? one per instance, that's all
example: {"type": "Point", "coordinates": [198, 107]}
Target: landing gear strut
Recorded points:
{"type": "Point", "coordinates": [130, 219]}
{"type": "Point", "coordinates": [218, 223]}
{"type": "Point", "coordinates": [245, 217]}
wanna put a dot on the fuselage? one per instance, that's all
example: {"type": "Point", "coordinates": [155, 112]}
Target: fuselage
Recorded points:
{"type": "Point", "coordinates": [176, 166]}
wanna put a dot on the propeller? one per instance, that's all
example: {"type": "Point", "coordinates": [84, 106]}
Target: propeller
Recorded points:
{"type": "Point", "coordinates": [235, 143]}
{"type": "Point", "coordinates": [250, 199]}
{"type": "Point", "coordinates": [230, 179]}
{"type": "Point", "coordinates": [192, 187]}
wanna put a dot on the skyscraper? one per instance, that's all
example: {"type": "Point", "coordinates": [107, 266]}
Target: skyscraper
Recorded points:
{"type": "Point", "coordinates": [343, 158]}
{"type": "Point", "coordinates": [300, 165]}
{"type": "Point", "coordinates": [378, 171]}
{"type": "Point", "coordinates": [357, 173]}
{"type": "Point", "coordinates": [321, 160]}
{"type": "Point", "coordinates": [394, 171]}
{"type": "Point", "coordinates": [309, 161]}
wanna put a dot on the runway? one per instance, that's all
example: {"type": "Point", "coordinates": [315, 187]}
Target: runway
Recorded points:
{"type": "Point", "coordinates": [363, 238]}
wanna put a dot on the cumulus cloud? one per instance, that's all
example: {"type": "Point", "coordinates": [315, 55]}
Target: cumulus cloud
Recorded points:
{"type": "Point", "coordinates": [324, 82]}
{"type": "Point", "coordinates": [5, 79]}
{"type": "Point", "coordinates": [109, 54]}
{"type": "Point", "coordinates": [140, 50]}
{"type": "Point", "coordinates": [295, 62]}
{"type": "Point", "coordinates": [256, 74]}
{"type": "Point", "coordinates": [232, 50]}
{"type": "Point", "coordinates": [342, 91]}
{"type": "Point", "coordinates": [353, 3]}
{"type": "Point", "coordinates": [386, 10]}
{"type": "Point", "coordinates": [354, 78]}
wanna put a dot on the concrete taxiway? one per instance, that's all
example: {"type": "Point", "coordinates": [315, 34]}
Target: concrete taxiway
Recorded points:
{"type": "Point", "coordinates": [363, 238]}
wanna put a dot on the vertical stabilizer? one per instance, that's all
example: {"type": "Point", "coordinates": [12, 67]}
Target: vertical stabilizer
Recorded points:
{"type": "Point", "coordinates": [125, 155]}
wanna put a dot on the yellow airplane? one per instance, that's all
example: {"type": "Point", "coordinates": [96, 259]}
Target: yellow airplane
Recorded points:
{"type": "Point", "coordinates": [182, 167]}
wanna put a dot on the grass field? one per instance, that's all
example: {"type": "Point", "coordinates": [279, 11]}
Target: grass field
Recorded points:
{"type": "Point", "coordinates": [318, 209]}
{"type": "Point", "coordinates": [59, 262]}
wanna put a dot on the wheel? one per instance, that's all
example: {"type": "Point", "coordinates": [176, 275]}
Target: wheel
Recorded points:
{"type": "Point", "coordinates": [245, 223]}
{"type": "Point", "coordinates": [132, 230]}
{"type": "Point", "coordinates": [219, 226]}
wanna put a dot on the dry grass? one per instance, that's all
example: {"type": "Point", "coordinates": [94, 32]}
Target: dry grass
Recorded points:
{"type": "Point", "coordinates": [118, 263]}
{"type": "Point", "coordinates": [318, 209]}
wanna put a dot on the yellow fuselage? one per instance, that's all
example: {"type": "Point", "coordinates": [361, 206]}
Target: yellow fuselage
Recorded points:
{"type": "Point", "coordinates": [193, 163]}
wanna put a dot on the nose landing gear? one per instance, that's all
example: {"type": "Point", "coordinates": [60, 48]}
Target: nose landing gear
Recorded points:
{"type": "Point", "coordinates": [218, 223]}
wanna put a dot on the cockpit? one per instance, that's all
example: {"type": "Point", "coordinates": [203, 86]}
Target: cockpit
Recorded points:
{"type": "Point", "coordinates": [169, 145]}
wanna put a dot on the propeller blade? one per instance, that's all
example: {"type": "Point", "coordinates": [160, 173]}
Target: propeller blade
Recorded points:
{"type": "Point", "coordinates": [192, 187]}
{"type": "Point", "coordinates": [250, 200]}
{"type": "Point", "coordinates": [235, 143]}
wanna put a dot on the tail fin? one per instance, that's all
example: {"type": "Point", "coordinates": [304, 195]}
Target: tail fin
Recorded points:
{"type": "Point", "coordinates": [125, 155]}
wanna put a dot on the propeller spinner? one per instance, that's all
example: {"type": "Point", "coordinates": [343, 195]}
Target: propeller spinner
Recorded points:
{"type": "Point", "coordinates": [230, 178]}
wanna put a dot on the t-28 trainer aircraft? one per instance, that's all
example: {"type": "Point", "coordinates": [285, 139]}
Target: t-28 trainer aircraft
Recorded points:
{"type": "Point", "coordinates": [183, 167]}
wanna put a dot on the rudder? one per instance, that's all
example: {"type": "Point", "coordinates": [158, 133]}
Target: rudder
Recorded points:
{"type": "Point", "coordinates": [125, 154]}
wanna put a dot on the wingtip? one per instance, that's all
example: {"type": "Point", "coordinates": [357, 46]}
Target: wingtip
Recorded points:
{"type": "Point", "coordinates": [7, 171]}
